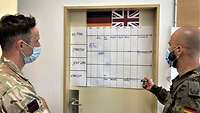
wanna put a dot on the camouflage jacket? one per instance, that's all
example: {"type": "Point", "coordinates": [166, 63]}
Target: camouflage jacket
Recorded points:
{"type": "Point", "coordinates": [184, 94]}
{"type": "Point", "coordinates": [17, 95]}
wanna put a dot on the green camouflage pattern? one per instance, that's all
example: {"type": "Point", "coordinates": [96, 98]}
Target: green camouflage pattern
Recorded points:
{"type": "Point", "coordinates": [184, 93]}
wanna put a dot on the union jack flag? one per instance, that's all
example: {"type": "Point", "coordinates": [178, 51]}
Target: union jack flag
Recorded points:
{"type": "Point", "coordinates": [125, 17]}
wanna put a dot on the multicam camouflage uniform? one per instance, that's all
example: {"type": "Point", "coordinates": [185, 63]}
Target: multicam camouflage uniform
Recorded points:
{"type": "Point", "coordinates": [184, 94]}
{"type": "Point", "coordinates": [17, 95]}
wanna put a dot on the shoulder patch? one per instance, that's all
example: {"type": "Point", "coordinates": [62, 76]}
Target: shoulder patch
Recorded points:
{"type": "Point", "coordinates": [33, 106]}
{"type": "Point", "coordinates": [194, 88]}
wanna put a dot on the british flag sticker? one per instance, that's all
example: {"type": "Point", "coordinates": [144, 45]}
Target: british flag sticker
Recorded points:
{"type": "Point", "coordinates": [125, 18]}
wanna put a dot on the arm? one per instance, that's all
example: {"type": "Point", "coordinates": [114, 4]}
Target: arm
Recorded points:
{"type": "Point", "coordinates": [162, 94]}
{"type": "Point", "coordinates": [20, 99]}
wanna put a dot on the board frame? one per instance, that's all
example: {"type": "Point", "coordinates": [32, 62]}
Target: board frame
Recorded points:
{"type": "Point", "coordinates": [69, 8]}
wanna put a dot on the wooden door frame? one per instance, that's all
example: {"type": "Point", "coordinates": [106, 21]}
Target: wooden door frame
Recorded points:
{"type": "Point", "coordinates": [67, 10]}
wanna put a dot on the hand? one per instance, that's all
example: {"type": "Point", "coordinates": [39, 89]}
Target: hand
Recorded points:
{"type": "Point", "coordinates": [148, 84]}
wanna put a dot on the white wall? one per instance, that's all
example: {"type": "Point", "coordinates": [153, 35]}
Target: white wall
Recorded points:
{"type": "Point", "coordinates": [47, 73]}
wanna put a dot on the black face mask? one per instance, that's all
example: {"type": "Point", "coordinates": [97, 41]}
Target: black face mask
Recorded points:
{"type": "Point", "coordinates": [171, 59]}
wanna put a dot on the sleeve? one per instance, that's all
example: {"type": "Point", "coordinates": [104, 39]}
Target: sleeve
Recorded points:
{"type": "Point", "coordinates": [21, 99]}
{"type": "Point", "coordinates": [187, 97]}
{"type": "Point", "coordinates": [162, 94]}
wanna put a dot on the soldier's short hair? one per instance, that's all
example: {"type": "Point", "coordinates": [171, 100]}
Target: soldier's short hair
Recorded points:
{"type": "Point", "coordinates": [12, 26]}
{"type": "Point", "coordinates": [190, 37]}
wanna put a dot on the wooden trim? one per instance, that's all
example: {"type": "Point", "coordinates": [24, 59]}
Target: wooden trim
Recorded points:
{"type": "Point", "coordinates": [156, 52]}
{"type": "Point", "coordinates": [66, 60]}
{"type": "Point", "coordinates": [188, 13]}
{"type": "Point", "coordinates": [67, 9]}
{"type": "Point", "coordinates": [85, 7]}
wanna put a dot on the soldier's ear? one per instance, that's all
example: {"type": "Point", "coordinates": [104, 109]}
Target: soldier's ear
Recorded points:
{"type": "Point", "coordinates": [19, 44]}
{"type": "Point", "coordinates": [179, 50]}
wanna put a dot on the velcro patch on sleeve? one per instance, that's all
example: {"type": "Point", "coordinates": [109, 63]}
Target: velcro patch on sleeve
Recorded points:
{"type": "Point", "coordinates": [33, 106]}
{"type": "Point", "coordinates": [194, 88]}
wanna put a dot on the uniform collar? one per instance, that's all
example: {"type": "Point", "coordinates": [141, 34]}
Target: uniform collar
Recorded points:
{"type": "Point", "coordinates": [180, 79]}
{"type": "Point", "coordinates": [13, 67]}
{"type": "Point", "coordinates": [187, 74]}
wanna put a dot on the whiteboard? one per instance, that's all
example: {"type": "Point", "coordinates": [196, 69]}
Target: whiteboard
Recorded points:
{"type": "Point", "coordinates": [110, 56]}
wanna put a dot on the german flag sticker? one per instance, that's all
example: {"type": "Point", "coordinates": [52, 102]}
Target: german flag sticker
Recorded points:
{"type": "Point", "coordinates": [189, 110]}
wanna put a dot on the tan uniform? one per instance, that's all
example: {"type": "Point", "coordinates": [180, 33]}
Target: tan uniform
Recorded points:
{"type": "Point", "coordinates": [184, 94]}
{"type": "Point", "coordinates": [17, 95]}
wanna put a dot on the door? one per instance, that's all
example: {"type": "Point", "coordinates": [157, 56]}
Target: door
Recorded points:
{"type": "Point", "coordinates": [105, 65]}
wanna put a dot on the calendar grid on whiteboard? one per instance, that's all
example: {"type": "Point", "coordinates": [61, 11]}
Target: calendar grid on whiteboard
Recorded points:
{"type": "Point", "coordinates": [114, 57]}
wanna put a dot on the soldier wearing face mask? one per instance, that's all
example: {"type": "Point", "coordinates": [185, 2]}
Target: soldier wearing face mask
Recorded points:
{"type": "Point", "coordinates": [19, 39]}
{"type": "Point", "coordinates": [183, 54]}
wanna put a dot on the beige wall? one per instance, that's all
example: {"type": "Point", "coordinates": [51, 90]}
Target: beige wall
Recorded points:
{"type": "Point", "coordinates": [188, 13]}
{"type": "Point", "coordinates": [7, 7]}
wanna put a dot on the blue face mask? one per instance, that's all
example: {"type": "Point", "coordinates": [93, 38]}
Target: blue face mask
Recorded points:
{"type": "Point", "coordinates": [33, 56]}
{"type": "Point", "coordinates": [171, 58]}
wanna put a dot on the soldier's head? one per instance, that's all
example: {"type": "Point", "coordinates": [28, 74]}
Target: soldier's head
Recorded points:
{"type": "Point", "coordinates": [185, 45]}
{"type": "Point", "coordinates": [18, 36]}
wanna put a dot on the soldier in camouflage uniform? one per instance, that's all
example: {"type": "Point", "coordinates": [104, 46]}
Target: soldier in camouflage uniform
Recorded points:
{"type": "Point", "coordinates": [183, 54]}
{"type": "Point", "coordinates": [19, 39]}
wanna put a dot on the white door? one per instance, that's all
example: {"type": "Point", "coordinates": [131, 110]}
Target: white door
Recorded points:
{"type": "Point", "coordinates": [93, 62]}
